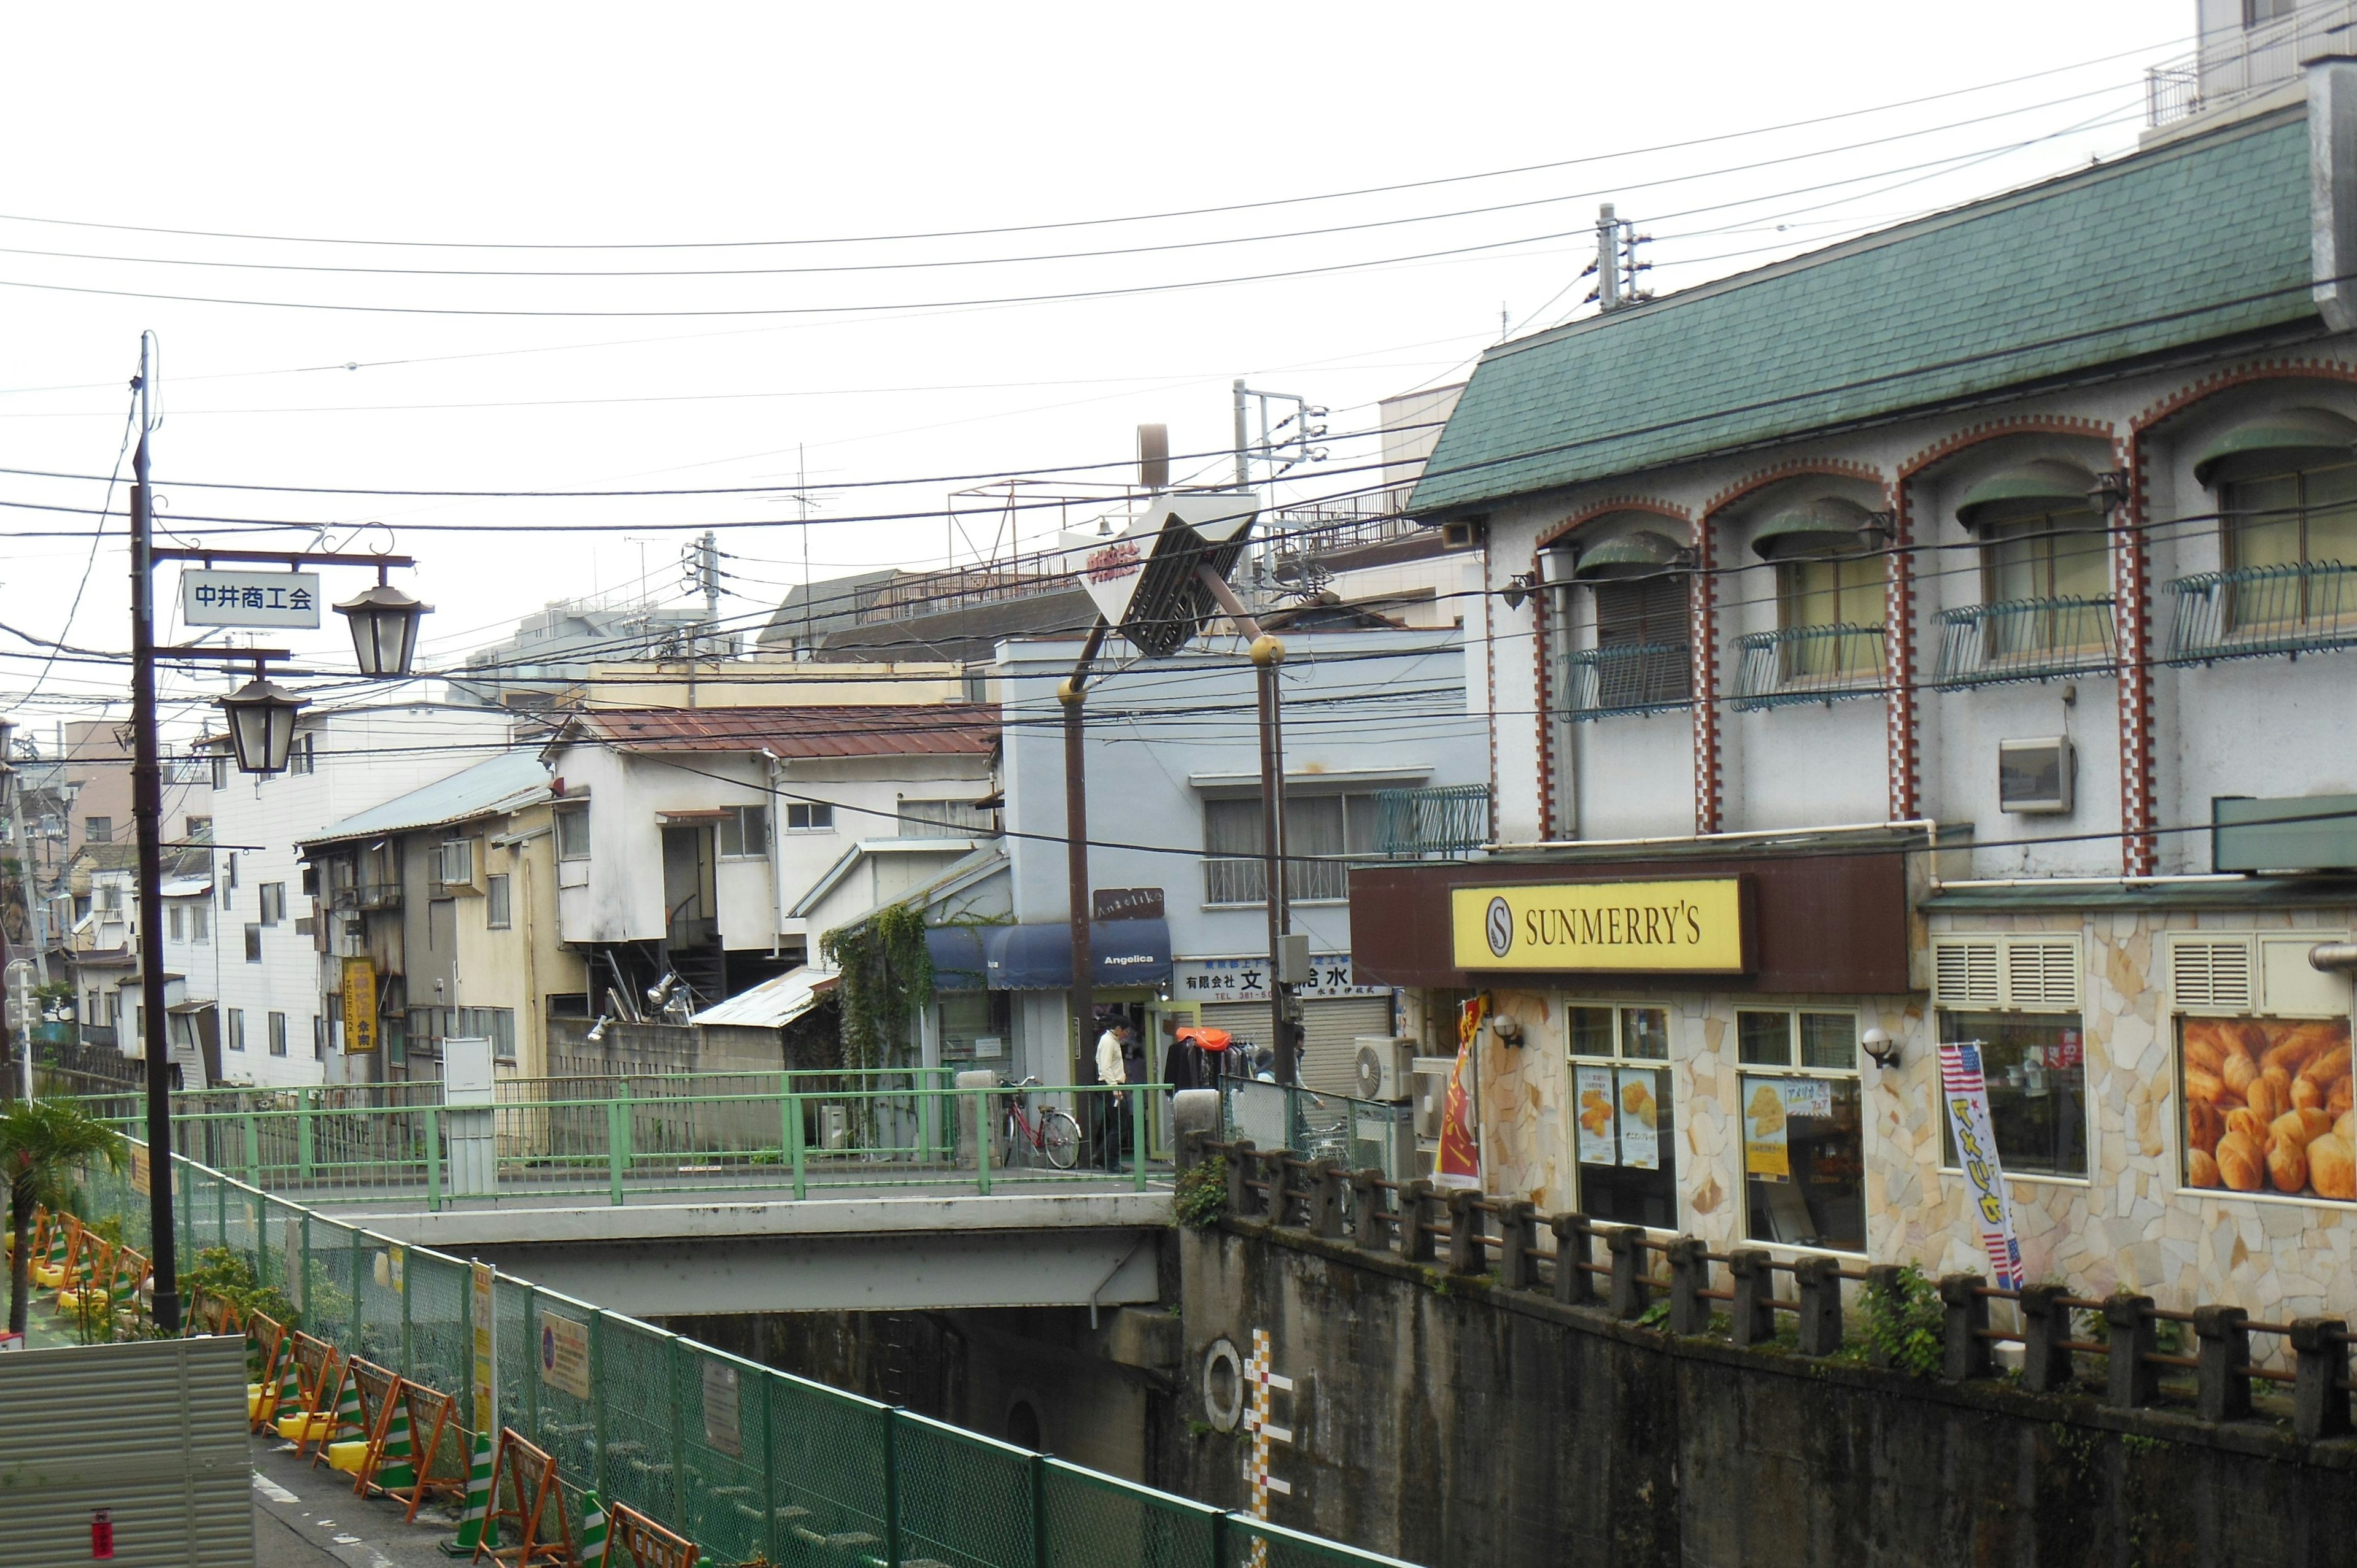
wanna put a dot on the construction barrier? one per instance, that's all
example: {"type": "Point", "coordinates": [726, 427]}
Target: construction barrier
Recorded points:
{"type": "Point", "coordinates": [643, 1543]}
{"type": "Point", "coordinates": [363, 1405]}
{"type": "Point", "coordinates": [746, 1462]}
{"type": "Point", "coordinates": [269, 1347]}
{"type": "Point", "coordinates": [314, 1366]}
{"type": "Point", "coordinates": [535, 1526]}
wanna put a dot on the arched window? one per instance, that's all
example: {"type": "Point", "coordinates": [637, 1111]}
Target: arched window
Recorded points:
{"type": "Point", "coordinates": [2046, 578]}
{"type": "Point", "coordinates": [1642, 662]}
{"type": "Point", "coordinates": [1829, 590]}
{"type": "Point", "coordinates": [2286, 489]}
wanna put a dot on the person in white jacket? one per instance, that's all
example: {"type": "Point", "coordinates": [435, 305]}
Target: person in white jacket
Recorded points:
{"type": "Point", "coordinates": [1113, 1117]}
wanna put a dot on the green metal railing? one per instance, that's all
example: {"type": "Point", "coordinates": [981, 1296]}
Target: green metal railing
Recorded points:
{"type": "Point", "coordinates": [751, 1464]}
{"type": "Point", "coordinates": [624, 1147]}
{"type": "Point", "coordinates": [1448, 820]}
{"type": "Point", "coordinates": [1357, 1134]}
{"type": "Point", "coordinates": [2025, 639]}
{"type": "Point", "coordinates": [1647, 678]}
{"type": "Point", "coordinates": [1807, 664]}
{"type": "Point", "coordinates": [2258, 611]}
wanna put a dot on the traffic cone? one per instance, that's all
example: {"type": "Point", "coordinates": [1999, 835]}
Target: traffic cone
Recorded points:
{"type": "Point", "coordinates": [475, 1527]}
{"type": "Point", "coordinates": [593, 1530]}
{"type": "Point", "coordinates": [399, 1466]}
{"type": "Point", "coordinates": [290, 1394]}
{"type": "Point", "coordinates": [347, 1409]}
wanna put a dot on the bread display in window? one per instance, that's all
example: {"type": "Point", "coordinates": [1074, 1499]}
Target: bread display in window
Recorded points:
{"type": "Point", "coordinates": [2268, 1106]}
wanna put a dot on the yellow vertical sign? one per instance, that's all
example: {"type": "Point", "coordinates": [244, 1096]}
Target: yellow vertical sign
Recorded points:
{"type": "Point", "coordinates": [360, 1005]}
{"type": "Point", "coordinates": [486, 1406]}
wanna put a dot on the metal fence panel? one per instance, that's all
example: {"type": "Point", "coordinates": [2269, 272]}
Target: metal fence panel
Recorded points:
{"type": "Point", "coordinates": [724, 1487]}
{"type": "Point", "coordinates": [826, 1465]}
{"type": "Point", "coordinates": [963, 1500]}
{"type": "Point", "coordinates": [1088, 1520]}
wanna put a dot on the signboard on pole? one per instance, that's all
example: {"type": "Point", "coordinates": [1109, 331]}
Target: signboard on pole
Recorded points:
{"type": "Point", "coordinates": [289, 600]}
{"type": "Point", "coordinates": [1964, 1089]}
{"type": "Point", "coordinates": [360, 1005]}
{"type": "Point", "coordinates": [564, 1353]}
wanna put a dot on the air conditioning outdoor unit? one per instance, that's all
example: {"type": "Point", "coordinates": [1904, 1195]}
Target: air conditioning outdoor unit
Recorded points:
{"type": "Point", "coordinates": [2034, 777]}
{"type": "Point", "coordinates": [1386, 1068]}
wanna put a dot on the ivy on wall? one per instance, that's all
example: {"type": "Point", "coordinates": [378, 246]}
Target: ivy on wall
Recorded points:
{"type": "Point", "coordinates": [888, 980]}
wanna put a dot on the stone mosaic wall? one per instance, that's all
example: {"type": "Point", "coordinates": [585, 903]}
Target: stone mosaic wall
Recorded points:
{"type": "Point", "coordinates": [2128, 1226]}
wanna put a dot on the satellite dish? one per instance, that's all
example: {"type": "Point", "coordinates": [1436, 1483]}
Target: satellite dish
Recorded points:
{"type": "Point", "coordinates": [1142, 579]}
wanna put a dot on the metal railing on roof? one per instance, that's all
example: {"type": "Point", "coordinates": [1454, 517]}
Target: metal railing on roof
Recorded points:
{"type": "Point", "coordinates": [1445, 819]}
{"type": "Point", "coordinates": [1644, 678]}
{"type": "Point", "coordinates": [2234, 63]}
{"type": "Point", "coordinates": [2256, 611]}
{"type": "Point", "coordinates": [1807, 664]}
{"type": "Point", "coordinates": [2025, 639]}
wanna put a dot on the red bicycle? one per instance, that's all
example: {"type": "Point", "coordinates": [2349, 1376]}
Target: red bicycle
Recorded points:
{"type": "Point", "coordinates": [1055, 1135]}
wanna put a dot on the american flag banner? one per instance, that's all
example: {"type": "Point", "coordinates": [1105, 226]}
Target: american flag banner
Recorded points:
{"type": "Point", "coordinates": [1964, 1089]}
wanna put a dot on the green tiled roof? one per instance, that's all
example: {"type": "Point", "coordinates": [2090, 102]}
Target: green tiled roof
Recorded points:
{"type": "Point", "coordinates": [1908, 317]}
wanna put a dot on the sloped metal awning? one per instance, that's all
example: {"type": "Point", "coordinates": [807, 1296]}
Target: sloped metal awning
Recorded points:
{"type": "Point", "coordinates": [2288, 434]}
{"type": "Point", "coordinates": [2045, 484]}
{"type": "Point", "coordinates": [1826, 526]}
{"type": "Point", "coordinates": [773, 1003]}
{"type": "Point", "coordinates": [1038, 956]}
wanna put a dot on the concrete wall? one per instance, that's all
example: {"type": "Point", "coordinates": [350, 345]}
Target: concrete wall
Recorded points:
{"type": "Point", "coordinates": [1458, 1432]}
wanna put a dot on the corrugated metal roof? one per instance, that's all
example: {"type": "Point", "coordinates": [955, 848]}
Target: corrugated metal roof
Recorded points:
{"type": "Point", "coordinates": [774, 1004]}
{"type": "Point", "coordinates": [936, 729]}
{"type": "Point", "coordinates": [2082, 271]}
{"type": "Point", "coordinates": [506, 783]}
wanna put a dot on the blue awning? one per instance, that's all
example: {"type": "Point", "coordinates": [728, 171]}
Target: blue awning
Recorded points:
{"type": "Point", "coordinates": [1039, 957]}
{"type": "Point", "coordinates": [956, 953]}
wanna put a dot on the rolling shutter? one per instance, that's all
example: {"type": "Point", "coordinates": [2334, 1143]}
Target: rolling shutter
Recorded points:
{"type": "Point", "coordinates": [1331, 1033]}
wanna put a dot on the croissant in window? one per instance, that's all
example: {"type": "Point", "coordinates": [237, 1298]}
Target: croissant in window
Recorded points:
{"type": "Point", "coordinates": [2333, 1167]}
{"type": "Point", "coordinates": [2241, 1165]}
{"type": "Point", "coordinates": [2204, 1124]}
{"type": "Point", "coordinates": [2200, 1170]}
{"type": "Point", "coordinates": [2287, 1165]}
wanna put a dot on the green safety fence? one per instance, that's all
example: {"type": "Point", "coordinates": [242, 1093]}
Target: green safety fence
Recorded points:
{"type": "Point", "coordinates": [751, 1464]}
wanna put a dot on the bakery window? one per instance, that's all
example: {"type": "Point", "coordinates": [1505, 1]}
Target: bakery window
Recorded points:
{"type": "Point", "coordinates": [1624, 1130]}
{"type": "Point", "coordinates": [1803, 1146]}
{"type": "Point", "coordinates": [2262, 1051]}
{"type": "Point", "coordinates": [2018, 999]}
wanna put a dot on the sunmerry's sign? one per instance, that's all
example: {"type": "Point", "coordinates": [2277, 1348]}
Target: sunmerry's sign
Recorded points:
{"type": "Point", "coordinates": [1685, 928]}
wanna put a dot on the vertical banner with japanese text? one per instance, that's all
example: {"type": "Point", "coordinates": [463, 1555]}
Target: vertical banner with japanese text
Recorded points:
{"type": "Point", "coordinates": [360, 1005]}
{"type": "Point", "coordinates": [487, 1404]}
{"type": "Point", "coordinates": [1964, 1089]}
{"type": "Point", "coordinates": [1458, 1161]}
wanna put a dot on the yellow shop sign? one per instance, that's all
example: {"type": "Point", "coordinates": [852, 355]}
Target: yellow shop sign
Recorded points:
{"type": "Point", "coordinates": [1689, 927]}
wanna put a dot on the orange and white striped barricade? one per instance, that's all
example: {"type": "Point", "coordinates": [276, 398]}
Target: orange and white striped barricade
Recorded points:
{"type": "Point", "coordinates": [537, 1526]}
{"type": "Point", "coordinates": [87, 1269]}
{"type": "Point", "coordinates": [650, 1545]}
{"type": "Point", "coordinates": [271, 1347]}
{"type": "Point", "coordinates": [210, 1313]}
{"type": "Point", "coordinates": [53, 1264]}
{"type": "Point", "coordinates": [433, 1418]}
{"type": "Point", "coordinates": [362, 1391]}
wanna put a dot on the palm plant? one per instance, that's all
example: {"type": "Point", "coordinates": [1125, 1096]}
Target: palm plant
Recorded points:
{"type": "Point", "coordinates": [43, 1143]}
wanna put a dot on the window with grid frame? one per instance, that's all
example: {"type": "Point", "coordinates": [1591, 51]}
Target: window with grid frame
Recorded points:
{"type": "Point", "coordinates": [2288, 515]}
{"type": "Point", "coordinates": [496, 1024]}
{"type": "Point", "coordinates": [572, 832]}
{"type": "Point", "coordinates": [744, 833]}
{"type": "Point", "coordinates": [1643, 630]}
{"type": "Point", "coordinates": [1803, 1127]}
{"type": "Point", "coordinates": [1822, 595]}
{"type": "Point", "coordinates": [2048, 554]}
{"type": "Point", "coordinates": [1335, 828]}
{"type": "Point", "coordinates": [497, 910]}
{"type": "Point", "coordinates": [1624, 1126]}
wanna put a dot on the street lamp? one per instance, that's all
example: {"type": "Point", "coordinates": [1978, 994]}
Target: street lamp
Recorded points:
{"type": "Point", "coordinates": [262, 724]}
{"type": "Point", "coordinates": [384, 627]}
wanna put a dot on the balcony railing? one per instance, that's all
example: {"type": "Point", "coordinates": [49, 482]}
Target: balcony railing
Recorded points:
{"type": "Point", "coordinates": [2025, 639]}
{"type": "Point", "coordinates": [1452, 819]}
{"type": "Point", "coordinates": [1648, 678]}
{"type": "Point", "coordinates": [2298, 608]}
{"type": "Point", "coordinates": [1808, 664]}
{"type": "Point", "coordinates": [2235, 63]}
{"type": "Point", "coordinates": [1237, 880]}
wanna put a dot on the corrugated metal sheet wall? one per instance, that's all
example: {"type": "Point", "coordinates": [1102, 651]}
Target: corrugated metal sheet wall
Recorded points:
{"type": "Point", "coordinates": [153, 1432]}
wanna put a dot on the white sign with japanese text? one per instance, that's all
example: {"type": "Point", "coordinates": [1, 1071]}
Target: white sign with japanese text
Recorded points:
{"type": "Point", "coordinates": [1246, 980]}
{"type": "Point", "coordinates": [287, 599]}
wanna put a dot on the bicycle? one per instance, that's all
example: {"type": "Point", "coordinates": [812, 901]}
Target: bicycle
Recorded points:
{"type": "Point", "coordinates": [1055, 1135]}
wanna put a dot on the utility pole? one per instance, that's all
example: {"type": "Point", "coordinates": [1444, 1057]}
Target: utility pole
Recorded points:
{"type": "Point", "coordinates": [147, 812]}
{"type": "Point", "coordinates": [1608, 259]}
{"type": "Point", "coordinates": [1243, 443]}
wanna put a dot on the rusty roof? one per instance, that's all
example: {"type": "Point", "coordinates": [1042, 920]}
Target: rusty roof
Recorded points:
{"type": "Point", "coordinates": [935, 729]}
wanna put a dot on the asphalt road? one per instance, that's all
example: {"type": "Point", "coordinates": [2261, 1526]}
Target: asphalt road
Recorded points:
{"type": "Point", "coordinates": [308, 1517]}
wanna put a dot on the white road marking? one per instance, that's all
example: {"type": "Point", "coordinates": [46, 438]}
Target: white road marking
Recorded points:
{"type": "Point", "coordinates": [272, 1490]}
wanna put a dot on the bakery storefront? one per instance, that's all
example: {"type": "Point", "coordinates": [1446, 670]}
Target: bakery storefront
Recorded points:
{"type": "Point", "coordinates": [1677, 1042]}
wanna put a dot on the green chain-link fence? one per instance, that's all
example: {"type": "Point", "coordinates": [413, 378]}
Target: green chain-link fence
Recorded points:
{"type": "Point", "coordinates": [751, 1464]}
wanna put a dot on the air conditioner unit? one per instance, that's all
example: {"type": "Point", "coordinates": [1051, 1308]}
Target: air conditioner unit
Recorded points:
{"type": "Point", "coordinates": [1429, 1076]}
{"type": "Point", "coordinates": [834, 1127]}
{"type": "Point", "coordinates": [1386, 1068]}
{"type": "Point", "coordinates": [2034, 777]}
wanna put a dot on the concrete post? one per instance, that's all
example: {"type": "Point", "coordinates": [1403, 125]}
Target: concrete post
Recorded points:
{"type": "Point", "coordinates": [1326, 1200]}
{"type": "Point", "coordinates": [1466, 1255]}
{"type": "Point", "coordinates": [1416, 1221]}
{"type": "Point", "coordinates": [1192, 1111]}
{"type": "Point", "coordinates": [1574, 1285]}
{"type": "Point", "coordinates": [972, 1123]}
{"type": "Point", "coordinates": [1518, 1259]}
{"type": "Point", "coordinates": [2223, 1379]}
{"type": "Point", "coordinates": [2319, 1390]}
{"type": "Point", "coordinates": [2131, 1378]}
{"type": "Point", "coordinates": [1367, 1211]}
{"type": "Point", "coordinates": [1820, 1306]}
{"type": "Point", "coordinates": [1276, 1170]}
{"type": "Point", "coordinates": [1244, 1202]}
{"type": "Point", "coordinates": [2045, 1327]}
{"type": "Point", "coordinates": [1754, 1272]}
{"type": "Point", "coordinates": [1631, 1292]}
{"type": "Point", "coordinates": [1689, 1276]}
{"type": "Point", "coordinates": [1966, 1322]}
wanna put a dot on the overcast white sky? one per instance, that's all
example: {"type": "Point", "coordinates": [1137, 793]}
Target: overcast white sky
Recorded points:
{"type": "Point", "coordinates": [501, 133]}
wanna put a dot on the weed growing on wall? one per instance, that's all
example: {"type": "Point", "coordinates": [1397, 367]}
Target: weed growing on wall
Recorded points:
{"type": "Point", "coordinates": [1201, 1196]}
{"type": "Point", "coordinates": [1905, 1324]}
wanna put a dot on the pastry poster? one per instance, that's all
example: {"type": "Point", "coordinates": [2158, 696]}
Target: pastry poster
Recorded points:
{"type": "Point", "coordinates": [2267, 1106]}
{"type": "Point", "coordinates": [1765, 1153]}
{"type": "Point", "coordinates": [1593, 1087]}
{"type": "Point", "coordinates": [1641, 1119]}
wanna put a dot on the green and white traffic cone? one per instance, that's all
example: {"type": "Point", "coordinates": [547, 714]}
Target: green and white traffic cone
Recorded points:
{"type": "Point", "coordinates": [475, 1527]}
{"type": "Point", "coordinates": [347, 1421]}
{"type": "Point", "coordinates": [398, 1466]}
{"type": "Point", "coordinates": [290, 1395]}
{"type": "Point", "coordinates": [593, 1530]}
